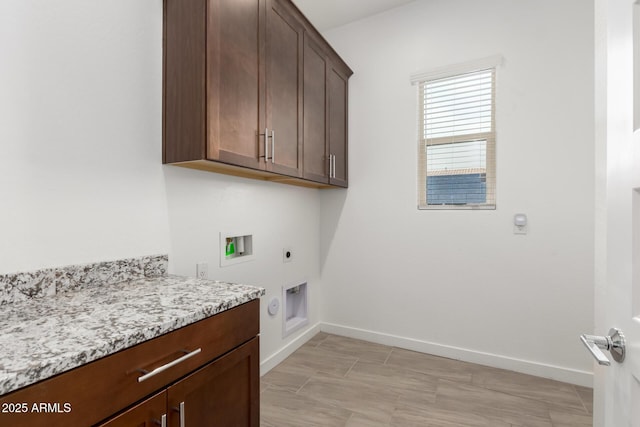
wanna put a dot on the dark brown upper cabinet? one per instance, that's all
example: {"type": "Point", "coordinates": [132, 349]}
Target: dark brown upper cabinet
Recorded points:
{"type": "Point", "coordinates": [325, 114]}
{"type": "Point", "coordinates": [252, 89]}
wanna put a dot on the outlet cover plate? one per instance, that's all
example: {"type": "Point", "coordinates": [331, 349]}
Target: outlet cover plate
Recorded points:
{"type": "Point", "coordinates": [287, 254]}
{"type": "Point", "coordinates": [202, 270]}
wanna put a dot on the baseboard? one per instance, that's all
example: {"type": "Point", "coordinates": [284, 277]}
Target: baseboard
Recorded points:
{"type": "Point", "coordinates": [276, 358]}
{"type": "Point", "coordinates": [571, 376]}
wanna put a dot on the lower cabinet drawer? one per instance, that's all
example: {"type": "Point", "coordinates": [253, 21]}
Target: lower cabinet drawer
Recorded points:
{"type": "Point", "coordinates": [97, 390]}
{"type": "Point", "coordinates": [224, 393]}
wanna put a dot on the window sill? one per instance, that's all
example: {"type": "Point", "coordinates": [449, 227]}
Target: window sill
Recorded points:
{"type": "Point", "coordinates": [457, 208]}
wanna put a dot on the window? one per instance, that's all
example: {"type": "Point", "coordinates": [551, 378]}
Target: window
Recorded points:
{"type": "Point", "coordinates": [456, 150]}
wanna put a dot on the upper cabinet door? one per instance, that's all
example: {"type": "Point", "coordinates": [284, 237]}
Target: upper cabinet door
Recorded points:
{"type": "Point", "coordinates": [283, 58]}
{"type": "Point", "coordinates": [233, 82]}
{"type": "Point", "coordinates": [185, 82]}
{"type": "Point", "coordinates": [338, 130]}
{"type": "Point", "coordinates": [316, 159]}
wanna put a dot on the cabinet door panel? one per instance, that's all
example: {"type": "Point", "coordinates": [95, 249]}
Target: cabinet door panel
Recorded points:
{"type": "Point", "coordinates": [338, 125]}
{"type": "Point", "coordinates": [145, 414]}
{"type": "Point", "coordinates": [283, 111]}
{"type": "Point", "coordinates": [184, 80]}
{"type": "Point", "coordinates": [224, 393]}
{"type": "Point", "coordinates": [234, 82]}
{"type": "Point", "coordinates": [315, 162]}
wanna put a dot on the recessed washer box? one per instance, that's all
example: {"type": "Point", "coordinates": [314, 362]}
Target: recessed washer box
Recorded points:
{"type": "Point", "coordinates": [235, 247]}
{"type": "Point", "coordinates": [294, 315]}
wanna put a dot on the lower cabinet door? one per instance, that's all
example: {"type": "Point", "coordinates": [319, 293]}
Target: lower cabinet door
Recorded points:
{"type": "Point", "coordinates": [148, 413]}
{"type": "Point", "coordinates": [224, 393]}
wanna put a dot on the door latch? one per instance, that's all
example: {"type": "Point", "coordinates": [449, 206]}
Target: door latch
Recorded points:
{"type": "Point", "coordinates": [614, 343]}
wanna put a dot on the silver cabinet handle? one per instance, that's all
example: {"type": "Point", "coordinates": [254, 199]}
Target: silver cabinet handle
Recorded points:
{"type": "Point", "coordinates": [266, 144]}
{"type": "Point", "coordinates": [180, 411]}
{"type": "Point", "coordinates": [334, 165]}
{"type": "Point", "coordinates": [614, 342]}
{"type": "Point", "coordinates": [162, 422]}
{"type": "Point", "coordinates": [162, 368]}
{"type": "Point", "coordinates": [273, 146]}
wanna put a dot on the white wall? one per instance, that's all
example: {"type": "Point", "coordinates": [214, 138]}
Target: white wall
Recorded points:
{"type": "Point", "coordinates": [80, 132]}
{"type": "Point", "coordinates": [81, 178]}
{"type": "Point", "coordinates": [202, 204]}
{"type": "Point", "coordinates": [460, 283]}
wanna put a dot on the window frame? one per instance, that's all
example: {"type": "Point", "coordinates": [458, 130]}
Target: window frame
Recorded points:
{"type": "Point", "coordinates": [421, 80]}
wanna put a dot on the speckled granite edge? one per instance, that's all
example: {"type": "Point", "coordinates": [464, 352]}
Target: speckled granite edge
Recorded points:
{"type": "Point", "coordinates": [53, 335]}
{"type": "Point", "coordinates": [43, 283]}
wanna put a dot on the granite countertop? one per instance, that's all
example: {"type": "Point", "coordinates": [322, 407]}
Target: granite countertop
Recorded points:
{"type": "Point", "coordinates": [43, 337]}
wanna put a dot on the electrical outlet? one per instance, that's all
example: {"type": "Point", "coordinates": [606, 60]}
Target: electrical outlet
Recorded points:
{"type": "Point", "coordinates": [202, 270]}
{"type": "Point", "coordinates": [287, 255]}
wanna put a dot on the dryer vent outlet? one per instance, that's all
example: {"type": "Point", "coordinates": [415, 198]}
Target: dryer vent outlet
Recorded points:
{"type": "Point", "coordinates": [295, 308]}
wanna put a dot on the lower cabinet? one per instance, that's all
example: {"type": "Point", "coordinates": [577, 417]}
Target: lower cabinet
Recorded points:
{"type": "Point", "coordinates": [201, 375]}
{"type": "Point", "coordinates": [222, 393]}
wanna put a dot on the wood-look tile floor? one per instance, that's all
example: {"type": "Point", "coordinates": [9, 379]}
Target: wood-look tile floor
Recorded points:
{"type": "Point", "coordinates": [337, 381]}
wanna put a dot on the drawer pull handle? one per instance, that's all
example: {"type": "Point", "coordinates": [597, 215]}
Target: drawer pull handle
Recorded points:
{"type": "Point", "coordinates": [162, 368]}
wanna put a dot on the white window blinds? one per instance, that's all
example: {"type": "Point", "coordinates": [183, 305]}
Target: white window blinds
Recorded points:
{"type": "Point", "coordinates": [457, 141]}
{"type": "Point", "coordinates": [458, 105]}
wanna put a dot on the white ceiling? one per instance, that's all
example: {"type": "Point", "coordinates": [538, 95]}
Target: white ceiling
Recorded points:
{"type": "Point", "coordinates": [326, 14]}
